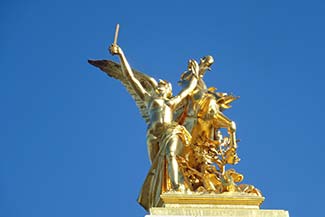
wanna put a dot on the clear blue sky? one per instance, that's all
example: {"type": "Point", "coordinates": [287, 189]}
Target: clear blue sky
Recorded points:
{"type": "Point", "coordinates": [72, 142]}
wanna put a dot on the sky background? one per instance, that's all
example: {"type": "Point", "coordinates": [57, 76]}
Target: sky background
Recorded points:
{"type": "Point", "coordinates": [72, 141]}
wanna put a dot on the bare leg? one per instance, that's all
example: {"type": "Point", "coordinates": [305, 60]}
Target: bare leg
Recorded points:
{"type": "Point", "coordinates": [174, 148]}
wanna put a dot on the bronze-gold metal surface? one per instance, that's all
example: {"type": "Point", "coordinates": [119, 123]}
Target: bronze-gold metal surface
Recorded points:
{"type": "Point", "coordinates": [189, 139]}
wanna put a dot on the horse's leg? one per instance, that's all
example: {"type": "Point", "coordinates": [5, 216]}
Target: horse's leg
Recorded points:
{"type": "Point", "coordinates": [223, 121]}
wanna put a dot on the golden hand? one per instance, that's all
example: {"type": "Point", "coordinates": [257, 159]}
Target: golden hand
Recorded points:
{"type": "Point", "coordinates": [114, 49]}
{"type": "Point", "coordinates": [194, 67]}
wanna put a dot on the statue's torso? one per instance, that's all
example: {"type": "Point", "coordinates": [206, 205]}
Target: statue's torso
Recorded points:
{"type": "Point", "coordinates": [160, 114]}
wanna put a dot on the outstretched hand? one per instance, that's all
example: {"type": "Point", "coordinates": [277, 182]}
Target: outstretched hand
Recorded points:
{"type": "Point", "coordinates": [114, 49]}
{"type": "Point", "coordinates": [194, 67]}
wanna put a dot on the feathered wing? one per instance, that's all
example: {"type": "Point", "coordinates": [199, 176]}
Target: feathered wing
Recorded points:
{"type": "Point", "coordinates": [114, 70]}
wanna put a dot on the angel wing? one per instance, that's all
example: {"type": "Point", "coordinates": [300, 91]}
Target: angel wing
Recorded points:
{"type": "Point", "coordinates": [114, 70]}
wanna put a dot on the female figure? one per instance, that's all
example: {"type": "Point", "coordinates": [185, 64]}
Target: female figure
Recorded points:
{"type": "Point", "coordinates": [165, 138]}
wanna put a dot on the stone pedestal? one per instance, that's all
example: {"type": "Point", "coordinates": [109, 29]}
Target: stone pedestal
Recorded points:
{"type": "Point", "coordinates": [217, 205]}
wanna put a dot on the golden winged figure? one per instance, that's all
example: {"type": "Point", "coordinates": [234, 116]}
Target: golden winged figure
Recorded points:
{"type": "Point", "coordinates": [186, 148]}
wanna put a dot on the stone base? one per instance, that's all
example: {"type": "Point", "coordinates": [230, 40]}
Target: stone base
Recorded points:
{"type": "Point", "coordinates": [216, 212]}
{"type": "Point", "coordinates": [217, 205]}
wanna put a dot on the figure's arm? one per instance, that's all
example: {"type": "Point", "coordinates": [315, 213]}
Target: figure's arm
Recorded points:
{"type": "Point", "coordinates": [127, 71]}
{"type": "Point", "coordinates": [194, 67]}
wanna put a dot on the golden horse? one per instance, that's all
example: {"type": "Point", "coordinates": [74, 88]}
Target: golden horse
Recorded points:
{"type": "Point", "coordinates": [207, 144]}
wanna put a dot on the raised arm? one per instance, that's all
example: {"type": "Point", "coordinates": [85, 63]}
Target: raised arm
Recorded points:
{"type": "Point", "coordinates": [194, 68]}
{"type": "Point", "coordinates": [127, 72]}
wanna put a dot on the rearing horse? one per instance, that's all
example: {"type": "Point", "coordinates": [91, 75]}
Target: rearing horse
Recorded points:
{"type": "Point", "coordinates": [206, 120]}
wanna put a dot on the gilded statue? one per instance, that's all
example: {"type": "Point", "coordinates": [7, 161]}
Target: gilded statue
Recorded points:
{"type": "Point", "coordinates": [189, 139]}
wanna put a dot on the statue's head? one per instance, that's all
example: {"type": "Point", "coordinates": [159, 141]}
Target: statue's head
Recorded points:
{"type": "Point", "coordinates": [164, 89]}
{"type": "Point", "coordinates": [205, 63]}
